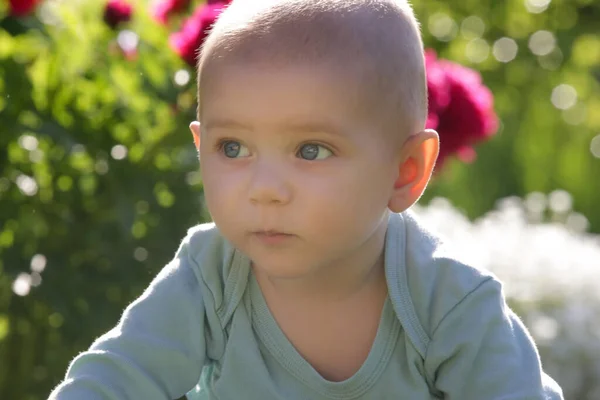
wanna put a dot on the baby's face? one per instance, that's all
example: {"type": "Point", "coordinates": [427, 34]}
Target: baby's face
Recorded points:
{"type": "Point", "coordinates": [293, 177]}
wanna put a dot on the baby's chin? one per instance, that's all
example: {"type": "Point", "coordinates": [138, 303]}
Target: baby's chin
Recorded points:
{"type": "Point", "coordinates": [283, 267]}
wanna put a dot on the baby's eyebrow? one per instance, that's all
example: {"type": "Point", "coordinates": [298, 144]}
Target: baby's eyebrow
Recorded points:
{"type": "Point", "coordinates": [312, 127]}
{"type": "Point", "coordinates": [297, 127]}
{"type": "Point", "coordinates": [226, 124]}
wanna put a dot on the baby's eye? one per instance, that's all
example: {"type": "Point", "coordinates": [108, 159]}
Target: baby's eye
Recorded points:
{"type": "Point", "coordinates": [233, 149]}
{"type": "Point", "coordinates": [312, 151]}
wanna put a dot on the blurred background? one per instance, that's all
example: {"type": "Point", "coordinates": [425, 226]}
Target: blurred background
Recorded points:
{"type": "Point", "coordinates": [99, 180]}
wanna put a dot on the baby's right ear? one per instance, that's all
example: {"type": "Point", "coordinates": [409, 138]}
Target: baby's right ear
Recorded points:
{"type": "Point", "coordinates": [195, 129]}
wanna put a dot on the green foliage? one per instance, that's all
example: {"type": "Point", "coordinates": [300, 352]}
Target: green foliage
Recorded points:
{"type": "Point", "coordinates": [98, 178]}
{"type": "Point", "coordinates": [539, 147]}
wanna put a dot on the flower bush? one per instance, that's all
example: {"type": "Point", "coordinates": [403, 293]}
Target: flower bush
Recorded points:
{"type": "Point", "coordinates": [461, 108]}
{"type": "Point", "coordinates": [117, 12]}
{"type": "Point", "coordinates": [162, 10]}
{"type": "Point", "coordinates": [550, 268]}
{"type": "Point", "coordinates": [188, 40]}
{"type": "Point", "coordinates": [20, 8]}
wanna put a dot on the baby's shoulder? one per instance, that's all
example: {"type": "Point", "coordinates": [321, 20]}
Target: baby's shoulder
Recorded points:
{"type": "Point", "coordinates": [207, 248]}
{"type": "Point", "coordinates": [211, 257]}
{"type": "Point", "coordinates": [202, 240]}
{"type": "Point", "coordinates": [437, 276]}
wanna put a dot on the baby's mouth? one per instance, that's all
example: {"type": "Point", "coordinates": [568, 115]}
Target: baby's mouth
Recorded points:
{"type": "Point", "coordinates": [271, 236]}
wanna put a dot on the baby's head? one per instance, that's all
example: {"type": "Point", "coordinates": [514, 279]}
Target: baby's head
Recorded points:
{"type": "Point", "coordinates": [311, 117]}
{"type": "Point", "coordinates": [374, 45]}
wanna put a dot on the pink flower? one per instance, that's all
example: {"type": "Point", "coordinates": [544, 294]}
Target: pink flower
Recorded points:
{"type": "Point", "coordinates": [461, 108]}
{"type": "Point", "coordinates": [188, 40]}
{"type": "Point", "coordinates": [20, 8]}
{"type": "Point", "coordinates": [163, 9]}
{"type": "Point", "coordinates": [116, 12]}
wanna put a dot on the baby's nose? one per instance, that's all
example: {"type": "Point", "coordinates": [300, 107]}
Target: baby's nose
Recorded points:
{"type": "Point", "coordinates": [269, 185]}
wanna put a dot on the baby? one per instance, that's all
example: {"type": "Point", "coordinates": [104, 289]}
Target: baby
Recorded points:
{"type": "Point", "coordinates": [315, 280]}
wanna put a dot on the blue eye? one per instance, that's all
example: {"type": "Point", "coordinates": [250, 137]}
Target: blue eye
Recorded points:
{"type": "Point", "coordinates": [313, 152]}
{"type": "Point", "coordinates": [233, 149]}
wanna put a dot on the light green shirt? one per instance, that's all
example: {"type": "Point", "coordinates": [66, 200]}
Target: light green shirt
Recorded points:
{"type": "Point", "coordinates": [203, 328]}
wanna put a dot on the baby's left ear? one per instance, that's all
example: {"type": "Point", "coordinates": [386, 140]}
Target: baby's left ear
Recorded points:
{"type": "Point", "coordinates": [418, 156]}
{"type": "Point", "coordinates": [195, 129]}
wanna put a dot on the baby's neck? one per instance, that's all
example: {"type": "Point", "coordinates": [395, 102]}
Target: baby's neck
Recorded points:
{"type": "Point", "coordinates": [332, 324]}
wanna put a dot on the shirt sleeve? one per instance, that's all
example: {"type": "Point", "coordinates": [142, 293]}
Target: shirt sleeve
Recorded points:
{"type": "Point", "coordinates": [481, 350]}
{"type": "Point", "coordinates": [156, 351]}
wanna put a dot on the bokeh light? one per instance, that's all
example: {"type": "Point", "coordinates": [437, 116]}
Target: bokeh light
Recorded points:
{"type": "Point", "coordinates": [22, 284]}
{"type": "Point", "coordinates": [505, 49]}
{"type": "Point", "coordinates": [542, 43]}
{"type": "Point", "coordinates": [27, 185]}
{"type": "Point", "coordinates": [443, 27]}
{"type": "Point", "coordinates": [128, 40]}
{"type": "Point", "coordinates": [38, 263]}
{"type": "Point", "coordinates": [537, 6]}
{"type": "Point", "coordinates": [595, 146]}
{"type": "Point", "coordinates": [182, 77]}
{"type": "Point", "coordinates": [477, 50]}
{"type": "Point", "coordinates": [118, 152]}
{"type": "Point", "coordinates": [472, 27]}
{"type": "Point", "coordinates": [564, 96]}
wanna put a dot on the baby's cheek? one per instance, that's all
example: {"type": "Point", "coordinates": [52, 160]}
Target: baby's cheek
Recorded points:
{"type": "Point", "coordinates": [223, 200]}
{"type": "Point", "coordinates": [216, 193]}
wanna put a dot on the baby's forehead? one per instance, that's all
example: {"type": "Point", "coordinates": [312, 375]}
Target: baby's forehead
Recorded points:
{"type": "Point", "coordinates": [305, 88]}
{"type": "Point", "coordinates": [292, 102]}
